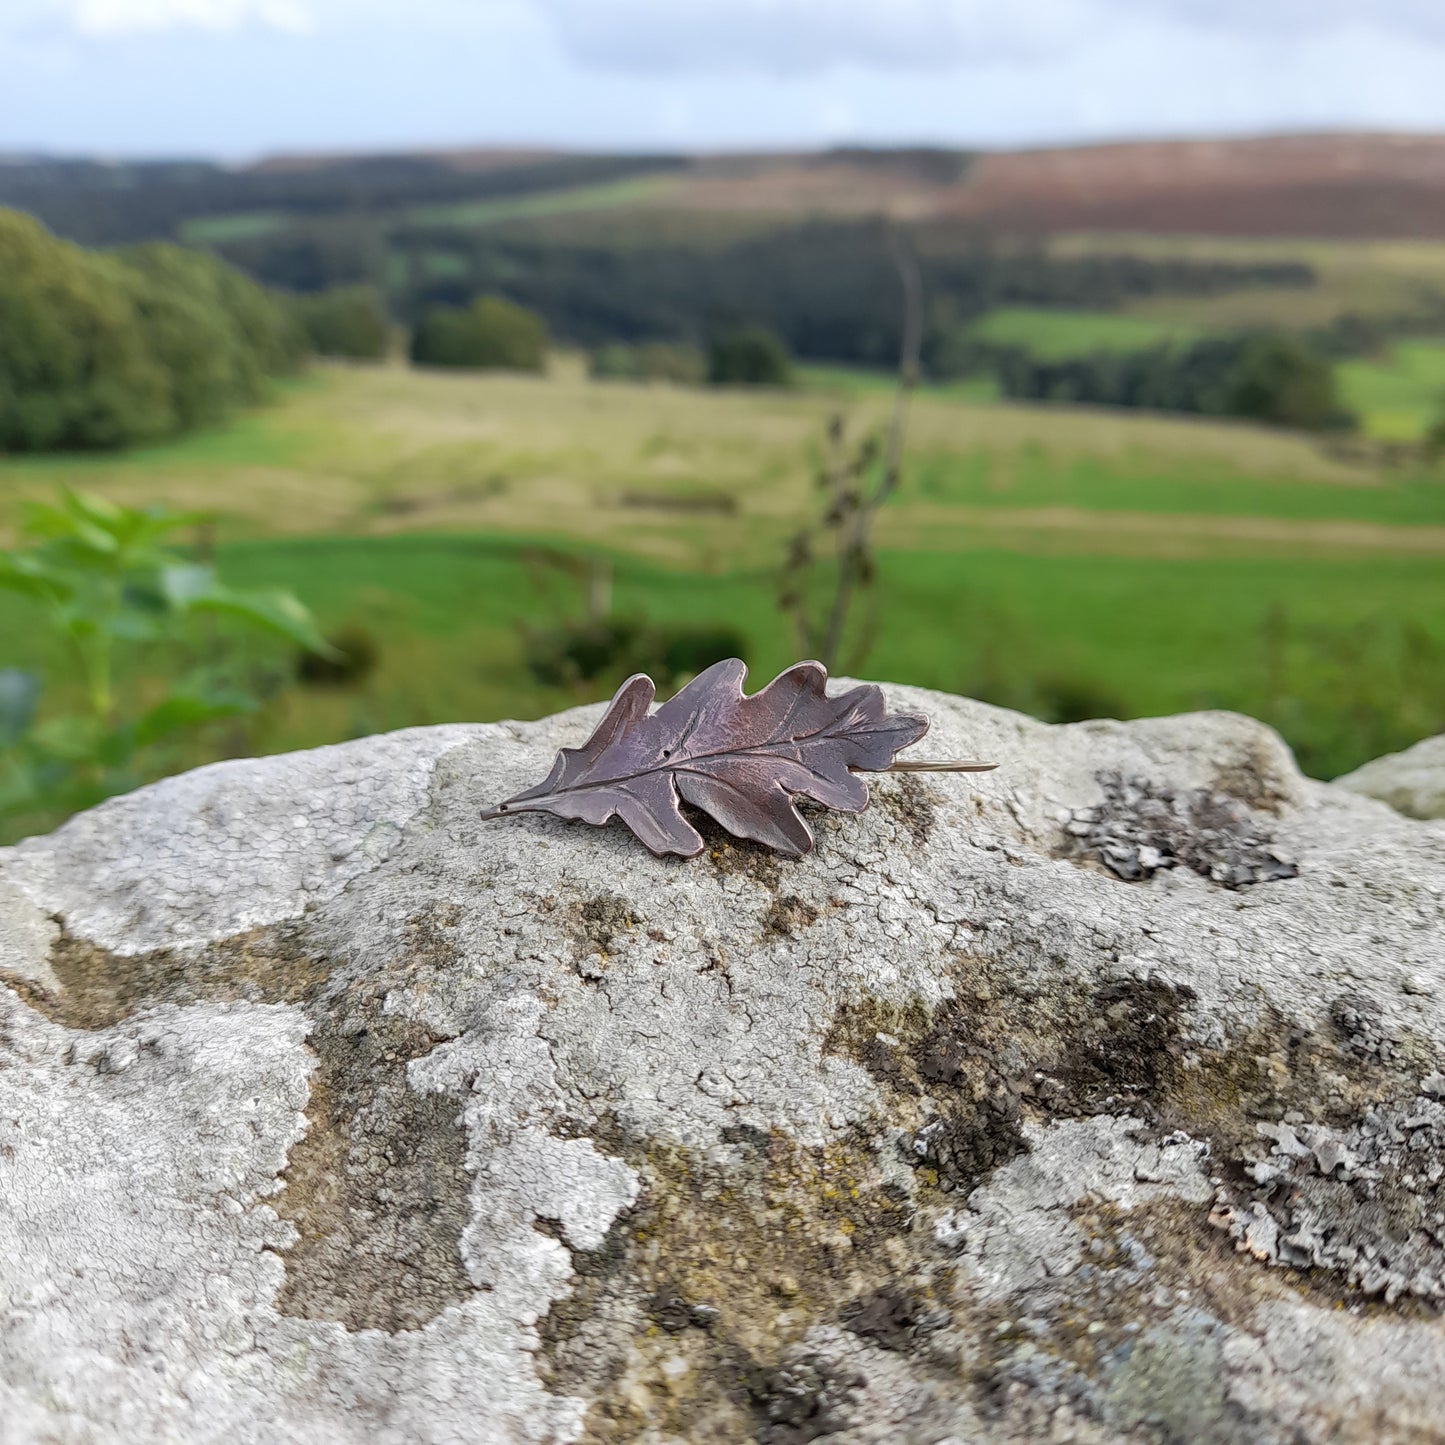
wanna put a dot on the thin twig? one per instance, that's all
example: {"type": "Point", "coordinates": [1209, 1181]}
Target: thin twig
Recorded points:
{"type": "Point", "coordinates": [853, 548]}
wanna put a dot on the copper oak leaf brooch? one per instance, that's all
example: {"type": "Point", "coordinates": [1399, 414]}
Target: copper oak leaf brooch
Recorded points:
{"type": "Point", "coordinates": [741, 759]}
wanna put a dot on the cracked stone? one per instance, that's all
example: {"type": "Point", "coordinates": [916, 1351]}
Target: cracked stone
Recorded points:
{"type": "Point", "coordinates": [328, 1113]}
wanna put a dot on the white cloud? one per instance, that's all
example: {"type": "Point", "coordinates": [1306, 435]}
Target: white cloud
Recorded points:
{"type": "Point", "coordinates": [790, 37]}
{"type": "Point", "coordinates": [119, 17]}
{"type": "Point", "coordinates": [166, 77]}
{"type": "Point", "coordinates": [797, 36]}
{"type": "Point", "coordinates": [1306, 19]}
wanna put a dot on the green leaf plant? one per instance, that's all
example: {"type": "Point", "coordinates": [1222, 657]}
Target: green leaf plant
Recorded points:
{"type": "Point", "coordinates": [109, 578]}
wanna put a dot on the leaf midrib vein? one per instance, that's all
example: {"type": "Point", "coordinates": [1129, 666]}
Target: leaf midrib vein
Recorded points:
{"type": "Point", "coordinates": [683, 764]}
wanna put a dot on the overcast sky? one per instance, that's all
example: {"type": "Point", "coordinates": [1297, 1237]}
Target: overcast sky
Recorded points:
{"type": "Point", "coordinates": [239, 78]}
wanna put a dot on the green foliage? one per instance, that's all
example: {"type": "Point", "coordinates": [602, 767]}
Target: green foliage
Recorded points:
{"type": "Point", "coordinates": [1277, 380]}
{"type": "Point", "coordinates": [1263, 376]}
{"type": "Point", "coordinates": [1435, 440]}
{"type": "Point", "coordinates": [752, 356]}
{"type": "Point", "coordinates": [653, 361]}
{"type": "Point", "coordinates": [107, 577]}
{"type": "Point", "coordinates": [490, 333]}
{"type": "Point", "coordinates": [347, 321]}
{"type": "Point", "coordinates": [612, 648]}
{"type": "Point", "coordinates": [218, 337]}
{"type": "Point", "coordinates": [351, 660]}
{"type": "Point", "coordinates": [75, 370]}
{"type": "Point", "coordinates": [1340, 692]}
{"type": "Point", "coordinates": [102, 351]}
{"type": "Point", "coordinates": [828, 288]}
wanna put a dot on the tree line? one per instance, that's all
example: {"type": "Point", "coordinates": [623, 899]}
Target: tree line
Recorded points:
{"type": "Point", "coordinates": [1261, 376]}
{"type": "Point", "coordinates": [826, 288]}
{"type": "Point", "coordinates": [108, 349]}
{"type": "Point", "coordinates": [98, 203]}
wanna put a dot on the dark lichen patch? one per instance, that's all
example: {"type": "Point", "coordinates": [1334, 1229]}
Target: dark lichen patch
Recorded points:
{"type": "Point", "coordinates": [1139, 830]}
{"type": "Point", "coordinates": [912, 803]}
{"type": "Point", "coordinates": [801, 1400]}
{"type": "Point", "coordinates": [942, 1066]}
{"type": "Point", "coordinates": [1000, 1053]}
{"type": "Point", "coordinates": [718, 1272]}
{"type": "Point", "coordinates": [673, 1313]}
{"type": "Point", "coordinates": [892, 1318]}
{"type": "Point", "coordinates": [594, 924]}
{"type": "Point", "coordinates": [1123, 1051]}
{"type": "Point", "coordinates": [787, 916]}
{"type": "Point", "coordinates": [1364, 1219]}
{"type": "Point", "coordinates": [1126, 1336]}
{"type": "Point", "coordinates": [99, 988]}
{"type": "Point", "coordinates": [430, 938]}
{"type": "Point", "coordinates": [966, 1141]}
{"type": "Point", "coordinates": [877, 1035]}
{"type": "Point", "coordinates": [1330, 1152]}
{"type": "Point", "coordinates": [1279, 1070]}
{"type": "Point", "coordinates": [378, 1188]}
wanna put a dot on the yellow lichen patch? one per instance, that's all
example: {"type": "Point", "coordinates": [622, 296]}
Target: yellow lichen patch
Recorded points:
{"type": "Point", "coordinates": [722, 1268]}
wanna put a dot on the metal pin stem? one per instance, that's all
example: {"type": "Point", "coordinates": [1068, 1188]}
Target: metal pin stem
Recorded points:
{"type": "Point", "coordinates": [940, 765]}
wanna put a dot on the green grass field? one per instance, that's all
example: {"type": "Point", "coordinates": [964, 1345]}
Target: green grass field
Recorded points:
{"type": "Point", "coordinates": [850, 383]}
{"type": "Point", "coordinates": [1054, 335]}
{"type": "Point", "coordinates": [242, 226]}
{"type": "Point", "coordinates": [373, 450]}
{"type": "Point", "coordinates": [1137, 636]}
{"type": "Point", "coordinates": [1399, 398]}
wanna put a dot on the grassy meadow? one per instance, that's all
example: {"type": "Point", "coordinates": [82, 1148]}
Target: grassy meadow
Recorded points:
{"type": "Point", "coordinates": [1055, 335]}
{"type": "Point", "coordinates": [1399, 396]}
{"type": "Point", "coordinates": [1068, 562]}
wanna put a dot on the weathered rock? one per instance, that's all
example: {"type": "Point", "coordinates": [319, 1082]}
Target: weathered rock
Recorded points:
{"type": "Point", "coordinates": [1412, 782]}
{"type": "Point", "coordinates": [1097, 1099]}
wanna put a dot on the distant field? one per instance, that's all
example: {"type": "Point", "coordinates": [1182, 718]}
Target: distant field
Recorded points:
{"type": "Point", "coordinates": [631, 192]}
{"type": "Point", "coordinates": [216, 230]}
{"type": "Point", "coordinates": [691, 476]}
{"type": "Point", "coordinates": [852, 382]}
{"type": "Point", "coordinates": [1368, 277]}
{"type": "Point", "coordinates": [606, 195]}
{"type": "Point", "coordinates": [1399, 398]}
{"type": "Point", "coordinates": [1322, 185]}
{"type": "Point", "coordinates": [1055, 335]}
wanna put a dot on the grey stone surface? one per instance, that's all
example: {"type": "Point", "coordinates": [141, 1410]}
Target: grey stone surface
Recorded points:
{"type": "Point", "coordinates": [1412, 782]}
{"type": "Point", "coordinates": [1096, 1099]}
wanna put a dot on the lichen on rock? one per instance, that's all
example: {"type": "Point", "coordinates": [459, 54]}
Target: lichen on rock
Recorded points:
{"type": "Point", "coordinates": [1101, 1098]}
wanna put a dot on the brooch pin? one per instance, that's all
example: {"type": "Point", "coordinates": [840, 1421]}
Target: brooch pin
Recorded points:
{"type": "Point", "coordinates": [742, 759]}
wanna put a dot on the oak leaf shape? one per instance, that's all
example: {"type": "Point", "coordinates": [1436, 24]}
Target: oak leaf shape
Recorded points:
{"type": "Point", "coordinates": [740, 758]}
